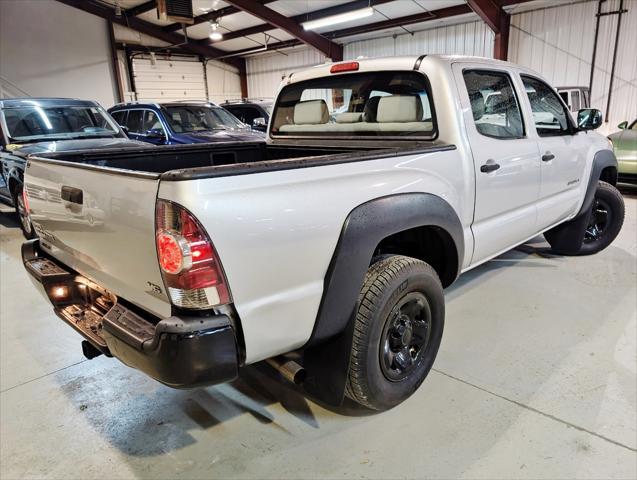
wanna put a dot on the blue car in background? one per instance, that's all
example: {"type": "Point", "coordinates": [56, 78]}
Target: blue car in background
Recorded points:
{"type": "Point", "coordinates": [181, 122]}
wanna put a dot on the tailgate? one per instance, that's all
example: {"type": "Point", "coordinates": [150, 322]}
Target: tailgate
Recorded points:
{"type": "Point", "coordinates": [100, 222]}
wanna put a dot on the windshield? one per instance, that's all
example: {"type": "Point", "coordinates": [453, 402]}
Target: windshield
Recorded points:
{"type": "Point", "coordinates": [36, 123]}
{"type": "Point", "coordinates": [386, 104]}
{"type": "Point", "coordinates": [189, 119]}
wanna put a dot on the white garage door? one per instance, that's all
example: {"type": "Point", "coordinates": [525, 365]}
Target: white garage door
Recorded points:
{"type": "Point", "coordinates": [169, 80]}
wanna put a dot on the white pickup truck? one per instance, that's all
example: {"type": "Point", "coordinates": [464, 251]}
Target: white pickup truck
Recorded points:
{"type": "Point", "coordinates": [329, 245]}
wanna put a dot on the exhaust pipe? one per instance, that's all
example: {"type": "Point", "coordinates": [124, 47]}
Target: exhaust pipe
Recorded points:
{"type": "Point", "coordinates": [289, 369]}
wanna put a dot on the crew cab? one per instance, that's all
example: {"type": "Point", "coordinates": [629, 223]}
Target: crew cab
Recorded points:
{"type": "Point", "coordinates": [39, 125]}
{"type": "Point", "coordinates": [326, 249]}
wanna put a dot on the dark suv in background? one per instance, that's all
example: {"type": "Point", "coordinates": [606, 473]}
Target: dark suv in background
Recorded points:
{"type": "Point", "coordinates": [255, 113]}
{"type": "Point", "coordinates": [181, 123]}
{"type": "Point", "coordinates": [39, 125]}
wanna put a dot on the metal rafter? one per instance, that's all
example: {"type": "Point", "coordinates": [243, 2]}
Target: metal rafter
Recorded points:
{"type": "Point", "coordinates": [212, 15]}
{"type": "Point", "coordinates": [142, 8]}
{"type": "Point", "coordinates": [315, 15]}
{"type": "Point", "coordinates": [313, 39]}
{"type": "Point", "coordinates": [142, 26]}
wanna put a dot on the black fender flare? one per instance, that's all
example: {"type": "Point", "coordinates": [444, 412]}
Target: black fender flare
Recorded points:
{"type": "Point", "coordinates": [567, 237]}
{"type": "Point", "coordinates": [326, 354]}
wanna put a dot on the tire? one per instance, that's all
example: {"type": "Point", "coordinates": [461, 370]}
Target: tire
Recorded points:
{"type": "Point", "coordinates": [606, 219]}
{"type": "Point", "coordinates": [397, 332]}
{"type": "Point", "coordinates": [21, 213]}
{"type": "Point", "coordinates": [582, 236]}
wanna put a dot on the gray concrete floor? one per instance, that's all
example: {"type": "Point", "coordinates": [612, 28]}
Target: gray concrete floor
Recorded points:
{"type": "Point", "coordinates": [536, 378]}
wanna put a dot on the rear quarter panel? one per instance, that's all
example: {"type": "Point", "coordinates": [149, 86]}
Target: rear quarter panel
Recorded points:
{"type": "Point", "coordinates": [276, 232]}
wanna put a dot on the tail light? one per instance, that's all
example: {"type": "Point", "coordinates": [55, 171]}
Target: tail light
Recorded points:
{"type": "Point", "coordinates": [25, 200]}
{"type": "Point", "coordinates": [189, 264]}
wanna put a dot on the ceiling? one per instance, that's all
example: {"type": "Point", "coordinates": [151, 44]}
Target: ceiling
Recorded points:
{"type": "Point", "coordinates": [390, 9]}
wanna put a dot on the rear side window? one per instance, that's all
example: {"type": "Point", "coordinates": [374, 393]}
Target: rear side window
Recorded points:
{"type": "Point", "coordinates": [369, 104]}
{"type": "Point", "coordinates": [120, 117]}
{"type": "Point", "coordinates": [135, 120]}
{"type": "Point", "coordinates": [494, 105]}
{"type": "Point", "coordinates": [549, 114]}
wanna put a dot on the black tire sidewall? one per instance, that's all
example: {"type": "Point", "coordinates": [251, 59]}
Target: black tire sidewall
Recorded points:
{"type": "Point", "coordinates": [611, 196]}
{"type": "Point", "coordinates": [385, 393]}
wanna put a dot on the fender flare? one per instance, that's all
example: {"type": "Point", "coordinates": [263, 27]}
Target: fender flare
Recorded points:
{"type": "Point", "coordinates": [326, 354]}
{"type": "Point", "coordinates": [602, 159]}
{"type": "Point", "coordinates": [567, 237]}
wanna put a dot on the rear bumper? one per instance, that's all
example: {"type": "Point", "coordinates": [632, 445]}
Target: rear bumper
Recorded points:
{"type": "Point", "coordinates": [179, 351]}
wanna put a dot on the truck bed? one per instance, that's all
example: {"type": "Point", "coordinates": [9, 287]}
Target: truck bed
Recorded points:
{"type": "Point", "coordinates": [228, 158]}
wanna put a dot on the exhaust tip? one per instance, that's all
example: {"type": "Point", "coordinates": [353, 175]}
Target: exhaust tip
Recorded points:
{"type": "Point", "coordinates": [289, 369]}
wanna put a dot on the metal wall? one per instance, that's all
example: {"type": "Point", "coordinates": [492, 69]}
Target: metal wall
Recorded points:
{"type": "Point", "coordinates": [474, 38]}
{"type": "Point", "coordinates": [266, 71]}
{"type": "Point", "coordinates": [558, 43]}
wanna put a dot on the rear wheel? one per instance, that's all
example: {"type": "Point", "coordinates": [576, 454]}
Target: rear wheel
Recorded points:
{"type": "Point", "coordinates": [23, 215]}
{"type": "Point", "coordinates": [398, 331]}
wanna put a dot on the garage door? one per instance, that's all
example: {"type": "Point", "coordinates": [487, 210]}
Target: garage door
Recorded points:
{"type": "Point", "coordinates": [169, 80]}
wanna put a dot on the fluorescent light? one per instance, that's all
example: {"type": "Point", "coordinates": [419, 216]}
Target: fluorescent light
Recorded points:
{"type": "Point", "coordinates": [340, 18]}
{"type": "Point", "coordinates": [215, 34]}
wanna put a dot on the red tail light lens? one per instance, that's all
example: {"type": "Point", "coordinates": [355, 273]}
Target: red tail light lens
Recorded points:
{"type": "Point", "coordinates": [25, 199]}
{"type": "Point", "coordinates": [189, 263]}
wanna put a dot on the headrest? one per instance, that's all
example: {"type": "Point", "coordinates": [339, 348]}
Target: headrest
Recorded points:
{"type": "Point", "coordinates": [349, 117]}
{"type": "Point", "coordinates": [477, 105]}
{"type": "Point", "coordinates": [371, 109]}
{"type": "Point", "coordinates": [399, 108]}
{"type": "Point", "coordinates": [311, 112]}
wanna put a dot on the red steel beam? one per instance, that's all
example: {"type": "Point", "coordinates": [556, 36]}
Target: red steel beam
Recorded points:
{"type": "Point", "coordinates": [313, 39]}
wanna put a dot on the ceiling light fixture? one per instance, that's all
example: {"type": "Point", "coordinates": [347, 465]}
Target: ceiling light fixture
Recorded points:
{"type": "Point", "coordinates": [215, 34]}
{"type": "Point", "coordinates": [340, 18]}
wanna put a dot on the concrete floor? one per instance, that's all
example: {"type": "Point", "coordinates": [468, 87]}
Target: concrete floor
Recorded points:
{"type": "Point", "coordinates": [536, 378]}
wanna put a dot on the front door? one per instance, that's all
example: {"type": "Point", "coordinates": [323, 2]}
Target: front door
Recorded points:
{"type": "Point", "coordinates": [506, 161]}
{"type": "Point", "coordinates": [563, 153]}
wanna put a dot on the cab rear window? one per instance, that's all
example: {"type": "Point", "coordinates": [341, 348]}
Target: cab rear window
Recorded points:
{"type": "Point", "coordinates": [368, 104]}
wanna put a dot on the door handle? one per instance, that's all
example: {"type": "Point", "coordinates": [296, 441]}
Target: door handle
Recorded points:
{"type": "Point", "coordinates": [72, 195]}
{"type": "Point", "coordinates": [489, 167]}
{"type": "Point", "coordinates": [547, 157]}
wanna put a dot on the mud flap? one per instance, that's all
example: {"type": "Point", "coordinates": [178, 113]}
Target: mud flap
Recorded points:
{"type": "Point", "coordinates": [327, 366]}
{"type": "Point", "coordinates": [567, 238]}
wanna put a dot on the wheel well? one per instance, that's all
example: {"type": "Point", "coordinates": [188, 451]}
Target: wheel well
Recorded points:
{"type": "Point", "coordinates": [428, 243]}
{"type": "Point", "coordinates": [609, 175]}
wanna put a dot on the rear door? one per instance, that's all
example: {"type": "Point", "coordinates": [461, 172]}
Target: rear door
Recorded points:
{"type": "Point", "coordinates": [506, 161]}
{"type": "Point", "coordinates": [562, 151]}
{"type": "Point", "coordinates": [100, 222]}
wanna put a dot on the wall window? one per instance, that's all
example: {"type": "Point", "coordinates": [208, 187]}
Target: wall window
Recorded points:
{"type": "Point", "coordinates": [495, 108]}
{"type": "Point", "coordinates": [549, 114]}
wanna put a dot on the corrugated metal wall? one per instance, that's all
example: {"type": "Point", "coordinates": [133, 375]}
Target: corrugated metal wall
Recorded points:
{"type": "Point", "coordinates": [266, 71]}
{"type": "Point", "coordinates": [473, 38]}
{"type": "Point", "coordinates": [558, 43]}
{"type": "Point", "coordinates": [223, 82]}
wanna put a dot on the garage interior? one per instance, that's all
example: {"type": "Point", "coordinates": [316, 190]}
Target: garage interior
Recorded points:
{"type": "Point", "coordinates": [537, 373]}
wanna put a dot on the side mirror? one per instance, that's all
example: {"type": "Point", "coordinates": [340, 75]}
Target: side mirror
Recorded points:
{"type": "Point", "coordinates": [589, 119]}
{"type": "Point", "coordinates": [623, 125]}
{"type": "Point", "coordinates": [155, 133]}
{"type": "Point", "coordinates": [124, 128]}
{"type": "Point", "coordinates": [259, 122]}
